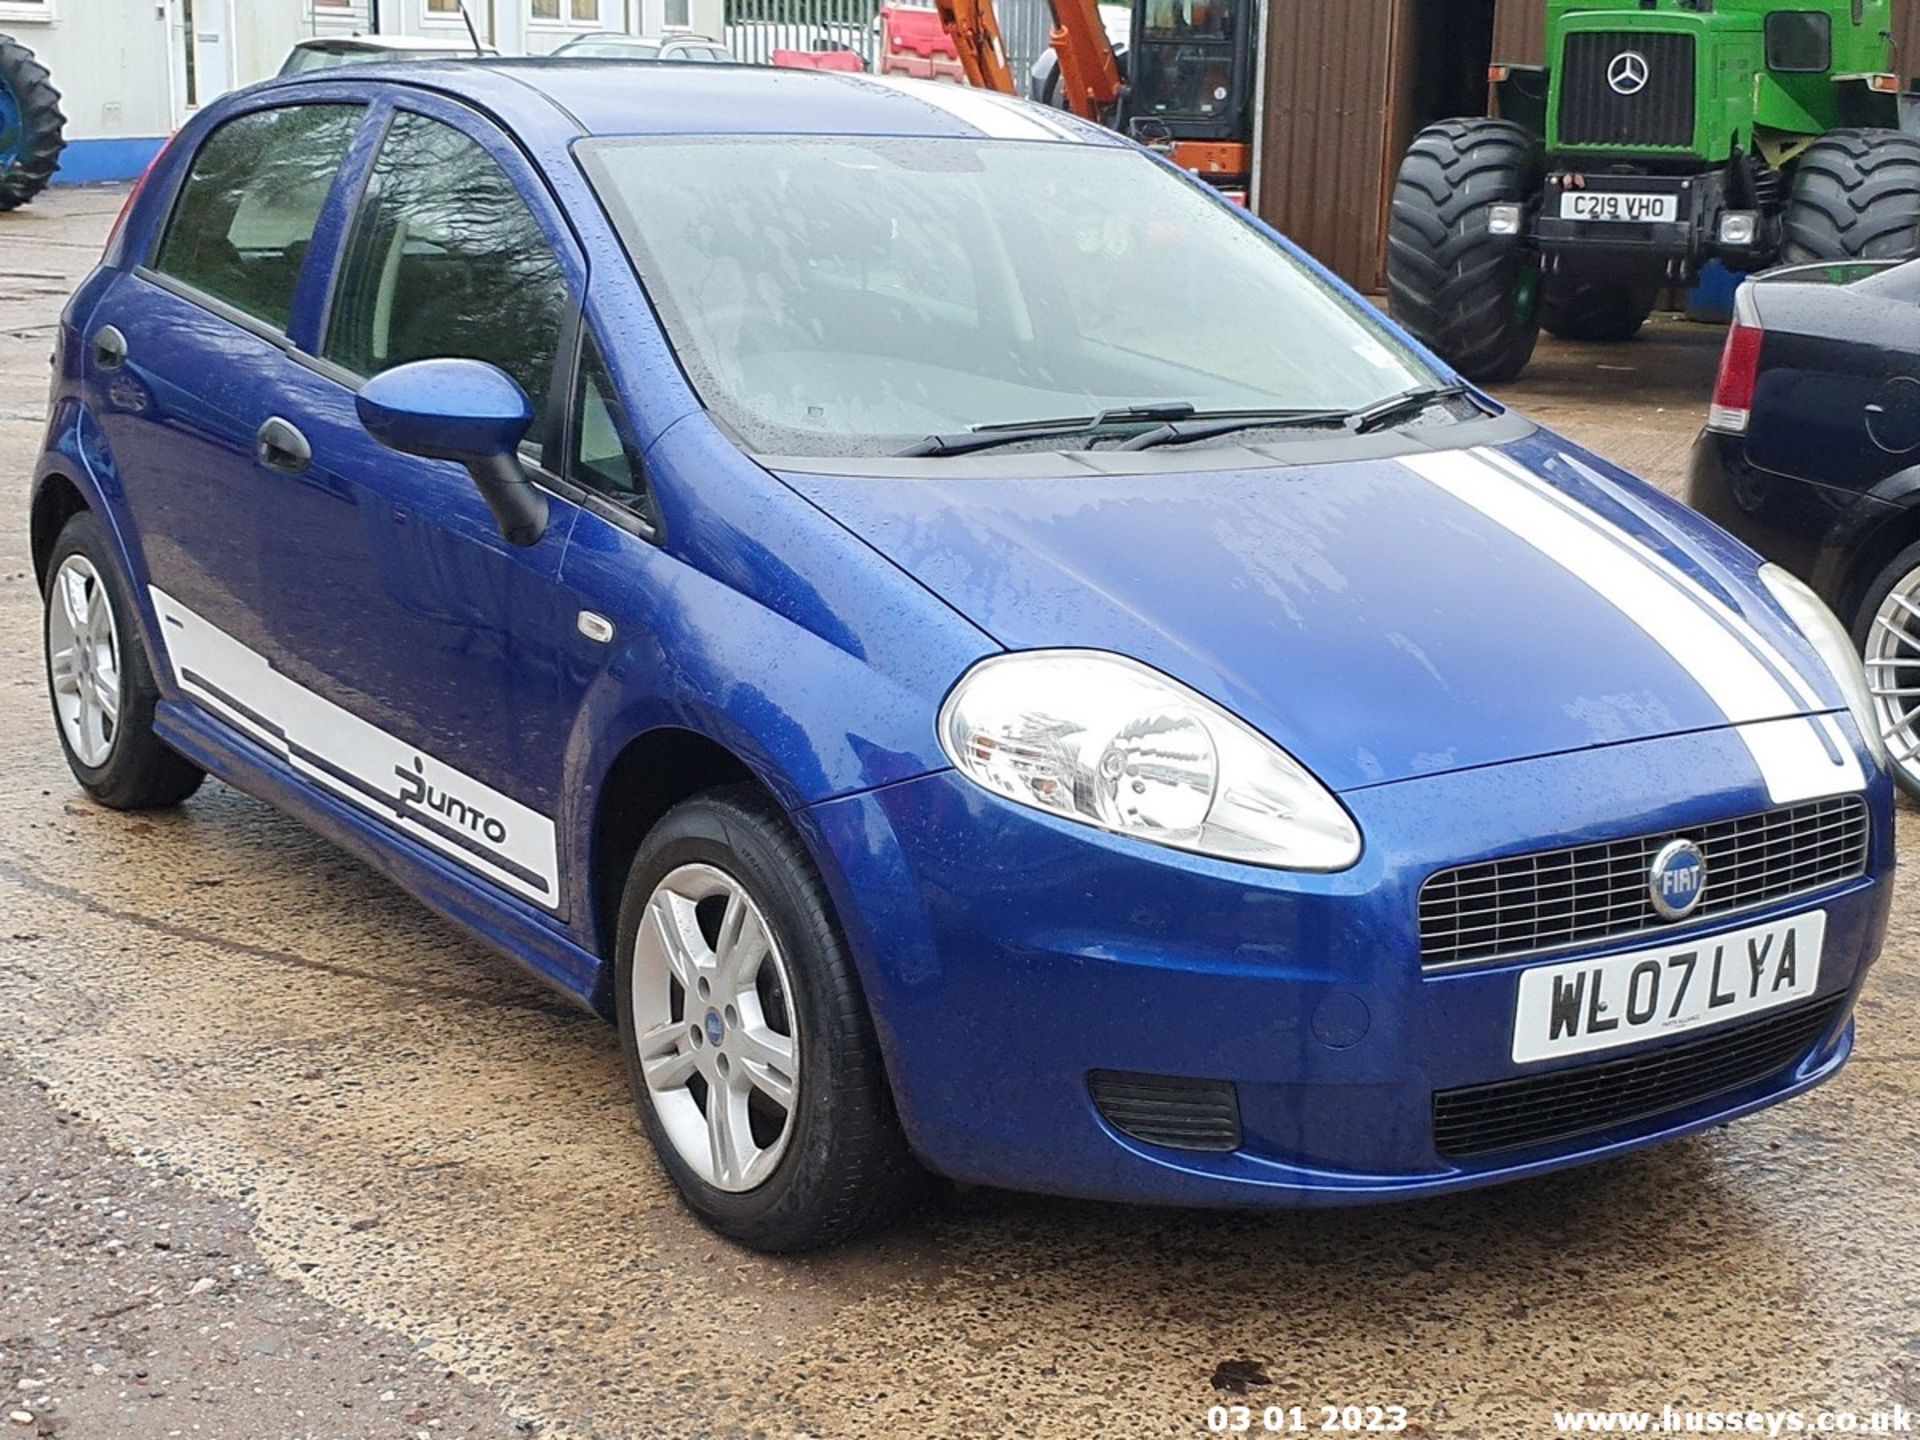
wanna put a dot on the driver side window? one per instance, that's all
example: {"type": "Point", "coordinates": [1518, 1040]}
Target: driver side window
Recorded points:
{"type": "Point", "coordinates": [447, 259]}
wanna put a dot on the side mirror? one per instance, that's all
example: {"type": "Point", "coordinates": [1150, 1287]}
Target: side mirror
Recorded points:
{"type": "Point", "coordinates": [467, 411]}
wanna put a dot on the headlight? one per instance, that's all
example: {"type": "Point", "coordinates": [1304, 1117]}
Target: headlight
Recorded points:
{"type": "Point", "coordinates": [1109, 742]}
{"type": "Point", "coordinates": [1835, 648]}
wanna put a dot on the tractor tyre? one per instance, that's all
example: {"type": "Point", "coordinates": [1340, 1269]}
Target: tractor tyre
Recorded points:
{"type": "Point", "coordinates": [1855, 196]}
{"type": "Point", "coordinates": [32, 129]}
{"type": "Point", "coordinates": [1463, 291]}
{"type": "Point", "coordinates": [1594, 312]}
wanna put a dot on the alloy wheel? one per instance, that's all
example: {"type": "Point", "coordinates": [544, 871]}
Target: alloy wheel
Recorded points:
{"type": "Point", "coordinates": [83, 660]}
{"type": "Point", "coordinates": [715, 1026]}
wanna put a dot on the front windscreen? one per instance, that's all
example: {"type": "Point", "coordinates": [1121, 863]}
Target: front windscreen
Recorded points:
{"type": "Point", "coordinates": [848, 296]}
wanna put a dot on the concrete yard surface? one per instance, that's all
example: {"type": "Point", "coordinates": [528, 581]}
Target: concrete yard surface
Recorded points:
{"type": "Point", "coordinates": [414, 1179]}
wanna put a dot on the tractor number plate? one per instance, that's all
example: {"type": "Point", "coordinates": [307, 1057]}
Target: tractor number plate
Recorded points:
{"type": "Point", "coordinates": [1619, 205]}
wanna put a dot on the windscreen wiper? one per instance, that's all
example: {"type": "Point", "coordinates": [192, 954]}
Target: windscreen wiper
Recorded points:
{"type": "Point", "coordinates": [1362, 421]}
{"type": "Point", "coordinates": [985, 437]}
{"type": "Point", "coordinates": [1404, 406]}
{"type": "Point", "coordinates": [1224, 422]}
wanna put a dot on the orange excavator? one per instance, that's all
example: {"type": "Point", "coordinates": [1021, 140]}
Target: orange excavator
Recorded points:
{"type": "Point", "coordinates": [1184, 86]}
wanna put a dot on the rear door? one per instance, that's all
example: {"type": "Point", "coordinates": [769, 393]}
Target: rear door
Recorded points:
{"type": "Point", "coordinates": [188, 352]}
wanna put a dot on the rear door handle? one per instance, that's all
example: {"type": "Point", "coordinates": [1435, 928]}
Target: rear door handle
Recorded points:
{"type": "Point", "coordinates": [281, 446]}
{"type": "Point", "coordinates": [109, 348]}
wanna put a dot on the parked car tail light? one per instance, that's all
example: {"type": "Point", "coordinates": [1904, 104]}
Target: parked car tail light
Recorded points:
{"type": "Point", "coordinates": [1739, 372]}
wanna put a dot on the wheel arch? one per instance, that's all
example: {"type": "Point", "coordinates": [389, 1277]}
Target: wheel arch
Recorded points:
{"type": "Point", "coordinates": [1875, 551]}
{"type": "Point", "coordinates": [654, 771]}
{"type": "Point", "coordinates": [56, 500]}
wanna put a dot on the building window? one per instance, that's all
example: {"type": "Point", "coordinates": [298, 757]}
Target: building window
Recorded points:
{"type": "Point", "coordinates": [585, 13]}
{"type": "Point", "coordinates": [679, 15]}
{"type": "Point", "coordinates": [444, 7]}
{"type": "Point", "coordinates": [26, 9]}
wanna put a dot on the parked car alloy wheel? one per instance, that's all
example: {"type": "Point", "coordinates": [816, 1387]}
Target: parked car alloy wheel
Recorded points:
{"type": "Point", "coordinates": [714, 1027]}
{"type": "Point", "coordinates": [749, 1048]}
{"type": "Point", "coordinates": [83, 658]}
{"type": "Point", "coordinates": [101, 682]}
{"type": "Point", "coordinates": [1889, 638]}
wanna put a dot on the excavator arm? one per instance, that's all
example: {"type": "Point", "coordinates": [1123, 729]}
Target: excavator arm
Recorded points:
{"type": "Point", "coordinates": [975, 32]}
{"type": "Point", "coordinates": [1089, 74]}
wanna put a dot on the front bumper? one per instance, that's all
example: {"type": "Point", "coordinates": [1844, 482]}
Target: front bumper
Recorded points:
{"type": "Point", "coordinates": [1648, 252]}
{"type": "Point", "coordinates": [1008, 956]}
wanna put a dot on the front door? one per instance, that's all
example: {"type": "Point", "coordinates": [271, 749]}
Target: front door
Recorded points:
{"type": "Point", "coordinates": [425, 650]}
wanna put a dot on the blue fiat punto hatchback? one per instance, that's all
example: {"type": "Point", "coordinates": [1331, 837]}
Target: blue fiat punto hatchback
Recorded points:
{"type": "Point", "coordinates": [978, 655]}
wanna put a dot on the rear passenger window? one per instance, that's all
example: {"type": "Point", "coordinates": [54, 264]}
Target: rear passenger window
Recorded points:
{"type": "Point", "coordinates": [446, 259]}
{"type": "Point", "coordinates": [245, 216]}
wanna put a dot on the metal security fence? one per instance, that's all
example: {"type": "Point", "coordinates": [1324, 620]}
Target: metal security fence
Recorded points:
{"type": "Point", "coordinates": [757, 28]}
{"type": "Point", "coordinates": [1024, 28]}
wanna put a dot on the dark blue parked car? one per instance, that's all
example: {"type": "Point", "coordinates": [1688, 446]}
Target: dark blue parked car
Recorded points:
{"type": "Point", "coordinates": [977, 654]}
{"type": "Point", "coordinates": [1809, 456]}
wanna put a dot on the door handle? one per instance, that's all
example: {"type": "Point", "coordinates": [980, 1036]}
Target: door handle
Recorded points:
{"type": "Point", "coordinates": [281, 446]}
{"type": "Point", "coordinates": [109, 348]}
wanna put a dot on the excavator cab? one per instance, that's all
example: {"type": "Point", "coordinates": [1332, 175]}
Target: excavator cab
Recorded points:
{"type": "Point", "coordinates": [1189, 85]}
{"type": "Point", "coordinates": [1188, 81]}
{"type": "Point", "coordinates": [1189, 68]}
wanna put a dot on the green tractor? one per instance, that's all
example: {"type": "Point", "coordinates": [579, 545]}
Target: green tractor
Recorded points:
{"type": "Point", "coordinates": [1662, 134]}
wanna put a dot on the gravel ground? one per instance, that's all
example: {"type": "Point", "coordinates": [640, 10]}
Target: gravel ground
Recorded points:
{"type": "Point", "coordinates": [134, 1304]}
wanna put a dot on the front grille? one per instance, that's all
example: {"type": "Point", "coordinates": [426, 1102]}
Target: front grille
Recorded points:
{"type": "Point", "coordinates": [1592, 112]}
{"type": "Point", "coordinates": [1526, 904]}
{"type": "Point", "coordinates": [1169, 1110]}
{"type": "Point", "coordinates": [1514, 1114]}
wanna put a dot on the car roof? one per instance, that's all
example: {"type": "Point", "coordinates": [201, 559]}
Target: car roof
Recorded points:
{"type": "Point", "coordinates": [617, 98]}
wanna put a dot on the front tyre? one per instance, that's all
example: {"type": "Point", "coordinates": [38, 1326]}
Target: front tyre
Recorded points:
{"type": "Point", "coordinates": [1594, 312]}
{"type": "Point", "coordinates": [101, 680]}
{"type": "Point", "coordinates": [1465, 292]}
{"type": "Point", "coordinates": [1856, 196]}
{"type": "Point", "coordinates": [749, 1048]}
{"type": "Point", "coordinates": [1887, 632]}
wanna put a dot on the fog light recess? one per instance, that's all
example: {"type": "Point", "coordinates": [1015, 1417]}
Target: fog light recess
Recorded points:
{"type": "Point", "coordinates": [1169, 1110]}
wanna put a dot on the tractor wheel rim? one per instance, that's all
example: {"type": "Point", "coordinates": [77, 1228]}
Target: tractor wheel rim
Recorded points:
{"type": "Point", "coordinates": [11, 129]}
{"type": "Point", "coordinates": [1526, 294]}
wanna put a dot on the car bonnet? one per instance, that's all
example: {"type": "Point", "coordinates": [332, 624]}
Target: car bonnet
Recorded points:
{"type": "Point", "coordinates": [1384, 619]}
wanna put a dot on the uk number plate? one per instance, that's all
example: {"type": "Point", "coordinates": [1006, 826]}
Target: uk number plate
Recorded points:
{"type": "Point", "coordinates": [1588, 1005]}
{"type": "Point", "coordinates": [1619, 205]}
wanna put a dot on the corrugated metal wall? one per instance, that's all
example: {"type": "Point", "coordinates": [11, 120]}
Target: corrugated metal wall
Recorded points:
{"type": "Point", "coordinates": [1520, 31]}
{"type": "Point", "coordinates": [1331, 126]}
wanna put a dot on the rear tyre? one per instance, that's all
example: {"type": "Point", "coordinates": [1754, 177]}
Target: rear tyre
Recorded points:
{"type": "Point", "coordinates": [1887, 632]}
{"type": "Point", "coordinates": [32, 129]}
{"type": "Point", "coordinates": [1855, 196]}
{"type": "Point", "coordinates": [1466, 293]}
{"type": "Point", "coordinates": [101, 681]}
{"type": "Point", "coordinates": [1594, 312]}
{"type": "Point", "coordinates": [748, 1043]}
